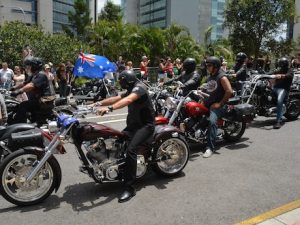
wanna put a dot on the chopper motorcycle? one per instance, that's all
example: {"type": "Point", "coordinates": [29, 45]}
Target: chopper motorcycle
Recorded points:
{"type": "Point", "coordinates": [30, 175]}
{"type": "Point", "coordinates": [192, 118]}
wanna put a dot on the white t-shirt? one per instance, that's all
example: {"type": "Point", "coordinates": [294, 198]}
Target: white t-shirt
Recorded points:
{"type": "Point", "coordinates": [6, 75]}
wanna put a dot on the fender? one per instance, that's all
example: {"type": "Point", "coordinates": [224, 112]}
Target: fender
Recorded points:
{"type": "Point", "coordinates": [56, 169]}
{"type": "Point", "coordinates": [60, 148]}
{"type": "Point", "coordinates": [163, 132]}
{"type": "Point", "coordinates": [160, 120]}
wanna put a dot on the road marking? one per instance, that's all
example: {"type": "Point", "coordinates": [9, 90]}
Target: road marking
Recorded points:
{"type": "Point", "coordinates": [111, 121]}
{"type": "Point", "coordinates": [271, 214]}
{"type": "Point", "coordinates": [94, 117]}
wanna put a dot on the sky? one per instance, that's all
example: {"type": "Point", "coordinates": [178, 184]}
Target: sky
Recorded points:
{"type": "Point", "coordinates": [101, 3]}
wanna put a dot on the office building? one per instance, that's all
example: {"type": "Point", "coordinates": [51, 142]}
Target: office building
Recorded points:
{"type": "Point", "coordinates": [50, 14]}
{"type": "Point", "coordinates": [197, 15]}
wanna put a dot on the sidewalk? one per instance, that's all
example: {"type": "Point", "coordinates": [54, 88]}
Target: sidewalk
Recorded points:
{"type": "Point", "coordinates": [289, 218]}
{"type": "Point", "coordinates": [288, 214]}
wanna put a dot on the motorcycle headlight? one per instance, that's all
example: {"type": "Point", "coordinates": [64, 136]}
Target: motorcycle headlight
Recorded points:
{"type": "Point", "coordinates": [170, 103]}
{"type": "Point", "coordinates": [95, 88]}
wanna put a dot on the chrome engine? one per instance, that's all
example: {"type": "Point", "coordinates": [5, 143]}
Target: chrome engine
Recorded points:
{"type": "Point", "coordinates": [106, 155]}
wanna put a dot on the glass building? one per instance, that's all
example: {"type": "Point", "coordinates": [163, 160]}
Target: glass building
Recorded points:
{"type": "Point", "coordinates": [153, 13]}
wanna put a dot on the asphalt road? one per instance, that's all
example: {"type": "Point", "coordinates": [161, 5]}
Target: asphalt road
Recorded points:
{"type": "Point", "coordinates": [241, 180]}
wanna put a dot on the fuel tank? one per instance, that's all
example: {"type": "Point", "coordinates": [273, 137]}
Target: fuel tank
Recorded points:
{"type": "Point", "coordinates": [194, 109]}
{"type": "Point", "coordinates": [91, 131]}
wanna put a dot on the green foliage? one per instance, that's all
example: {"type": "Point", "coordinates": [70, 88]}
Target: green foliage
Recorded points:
{"type": "Point", "coordinates": [55, 48]}
{"type": "Point", "coordinates": [111, 12]}
{"type": "Point", "coordinates": [79, 19]}
{"type": "Point", "coordinates": [252, 23]}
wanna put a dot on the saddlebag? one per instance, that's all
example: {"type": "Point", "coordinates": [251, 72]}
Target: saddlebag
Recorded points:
{"type": "Point", "coordinates": [243, 112]}
{"type": "Point", "coordinates": [22, 139]}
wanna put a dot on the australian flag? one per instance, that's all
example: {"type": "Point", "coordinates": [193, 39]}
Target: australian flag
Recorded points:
{"type": "Point", "coordinates": [92, 66]}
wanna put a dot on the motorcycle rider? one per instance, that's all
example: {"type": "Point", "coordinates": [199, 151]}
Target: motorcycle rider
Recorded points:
{"type": "Point", "coordinates": [240, 70]}
{"type": "Point", "coordinates": [189, 77]}
{"type": "Point", "coordinates": [219, 89]}
{"type": "Point", "coordinates": [283, 81]}
{"type": "Point", "coordinates": [140, 123]}
{"type": "Point", "coordinates": [37, 89]}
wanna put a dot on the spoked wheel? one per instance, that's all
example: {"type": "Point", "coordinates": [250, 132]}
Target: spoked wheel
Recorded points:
{"type": "Point", "coordinates": [233, 130]}
{"type": "Point", "coordinates": [14, 187]}
{"type": "Point", "coordinates": [172, 156]}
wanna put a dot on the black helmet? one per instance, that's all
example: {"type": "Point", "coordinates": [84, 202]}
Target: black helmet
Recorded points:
{"type": "Point", "coordinates": [214, 61]}
{"type": "Point", "coordinates": [127, 79]}
{"type": "Point", "coordinates": [283, 64]}
{"type": "Point", "coordinates": [189, 65]}
{"type": "Point", "coordinates": [241, 57]}
{"type": "Point", "coordinates": [35, 63]}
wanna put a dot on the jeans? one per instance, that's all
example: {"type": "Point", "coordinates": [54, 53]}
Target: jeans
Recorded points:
{"type": "Point", "coordinates": [137, 138]}
{"type": "Point", "coordinates": [281, 94]}
{"type": "Point", "coordinates": [31, 106]}
{"type": "Point", "coordinates": [214, 115]}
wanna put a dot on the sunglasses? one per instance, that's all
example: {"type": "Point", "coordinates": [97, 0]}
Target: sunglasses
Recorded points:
{"type": "Point", "coordinates": [209, 65]}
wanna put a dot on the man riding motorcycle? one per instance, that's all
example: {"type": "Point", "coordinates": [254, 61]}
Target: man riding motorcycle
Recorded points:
{"type": "Point", "coordinates": [190, 77]}
{"type": "Point", "coordinates": [283, 81]}
{"type": "Point", "coordinates": [37, 89]}
{"type": "Point", "coordinates": [240, 70]}
{"type": "Point", "coordinates": [219, 89]}
{"type": "Point", "coordinates": [140, 123]}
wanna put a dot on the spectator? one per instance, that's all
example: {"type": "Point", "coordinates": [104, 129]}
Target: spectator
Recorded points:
{"type": "Point", "coordinates": [27, 52]}
{"type": "Point", "coordinates": [224, 65]}
{"type": "Point", "coordinates": [61, 76]}
{"type": "Point", "coordinates": [6, 76]}
{"type": "Point", "coordinates": [120, 64]}
{"type": "Point", "coordinates": [19, 79]}
{"type": "Point", "coordinates": [162, 75]}
{"type": "Point", "coordinates": [3, 113]}
{"type": "Point", "coordinates": [144, 68]}
{"type": "Point", "coordinates": [129, 65]}
{"type": "Point", "coordinates": [50, 77]}
{"type": "Point", "coordinates": [267, 64]}
{"type": "Point", "coordinates": [169, 68]}
{"type": "Point", "coordinates": [177, 67]}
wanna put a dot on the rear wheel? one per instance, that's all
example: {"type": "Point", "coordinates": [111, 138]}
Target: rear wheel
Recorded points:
{"type": "Point", "coordinates": [293, 109]}
{"type": "Point", "coordinates": [13, 172]}
{"type": "Point", "coordinates": [233, 130]}
{"type": "Point", "coordinates": [172, 156]}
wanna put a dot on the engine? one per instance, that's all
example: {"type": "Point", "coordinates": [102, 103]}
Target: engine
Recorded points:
{"type": "Point", "coordinates": [106, 155]}
{"type": "Point", "coordinates": [196, 127]}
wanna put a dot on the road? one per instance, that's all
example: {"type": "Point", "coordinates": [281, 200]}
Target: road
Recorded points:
{"type": "Point", "coordinates": [241, 180]}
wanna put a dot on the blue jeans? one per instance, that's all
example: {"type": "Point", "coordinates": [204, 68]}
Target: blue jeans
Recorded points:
{"type": "Point", "coordinates": [281, 94]}
{"type": "Point", "coordinates": [214, 115]}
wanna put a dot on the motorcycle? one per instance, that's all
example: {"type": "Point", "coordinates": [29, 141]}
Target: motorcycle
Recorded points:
{"type": "Point", "coordinates": [192, 118]}
{"type": "Point", "coordinates": [95, 91]}
{"type": "Point", "coordinates": [265, 101]}
{"type": "Point", "coordinates": [30, 175]}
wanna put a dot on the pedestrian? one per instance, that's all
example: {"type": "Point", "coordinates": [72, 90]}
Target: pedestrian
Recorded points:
{"type": "Point", "coordinates": [19, 79]}
{"type": "Point", "coordinates": [267, 64]}
{"type": "Point", "coordinates": [62, 79]}
{"type": "Point", "coordinates": [3, 111]}
{"type": "Point", "coordinates": [144, 67]}
{"type": "Point", "coordinates": [169, 68]}
{"type": "Point", "coordinates": [129, 66]}
{"type": "Point", "coordinates": [50, 77]}
{"type": "Point", "coordinates": [162, 75]}
{"type": "Point", "coordinates": [177, 67]}
{"type": "Point", "coordinates": [6, 76]}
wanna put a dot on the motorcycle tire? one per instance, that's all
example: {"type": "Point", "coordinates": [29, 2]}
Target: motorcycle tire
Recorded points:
{"type": "Point", "coordinates": [293, 109]}
{"type": "Point", "coordinates": [232, 137]}
{"type": "Point", "coordinates": [168, 154]}
{"type": "Point", "coordinates": [12, 173]}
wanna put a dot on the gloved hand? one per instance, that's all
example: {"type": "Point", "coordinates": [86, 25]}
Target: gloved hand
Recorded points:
{"type": "Point", "coordinates": [16, 93]}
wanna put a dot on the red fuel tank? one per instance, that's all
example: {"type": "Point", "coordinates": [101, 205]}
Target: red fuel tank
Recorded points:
{"type": "Point", "coordinates": [194, 109]}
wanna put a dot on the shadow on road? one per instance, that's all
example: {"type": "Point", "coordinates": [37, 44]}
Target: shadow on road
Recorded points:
{"type": "Point", "coordinates": [85, 196]}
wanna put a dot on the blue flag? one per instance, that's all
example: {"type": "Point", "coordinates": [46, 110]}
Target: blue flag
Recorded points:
{"type": "Point", "coordinates": [92, 66]}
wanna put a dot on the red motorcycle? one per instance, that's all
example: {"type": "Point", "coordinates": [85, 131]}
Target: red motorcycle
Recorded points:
{"type": "Point", "coordinates": [192, 118]}
{"type": "Point", "coordinates": [30, 175]}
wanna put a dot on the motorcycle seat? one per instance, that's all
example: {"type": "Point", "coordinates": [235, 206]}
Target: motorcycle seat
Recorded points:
{"type": "Point", "coordinates": [61, 101]}
{"type": "Point", "coordinates": [5, 132]}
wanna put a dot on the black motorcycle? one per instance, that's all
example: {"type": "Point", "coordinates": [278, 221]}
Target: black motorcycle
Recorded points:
{"type": "Point", "coordinates": [94, 91]}
{"type": "Point", "coordinates": [265, 101]}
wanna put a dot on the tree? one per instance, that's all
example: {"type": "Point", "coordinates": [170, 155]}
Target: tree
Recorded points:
{"type": "Point", "coordinates": [253, 22]}
{"type": "Point", "coordinates": [111, 12]}
{"type": "Point", "coordinates": [79, 19]}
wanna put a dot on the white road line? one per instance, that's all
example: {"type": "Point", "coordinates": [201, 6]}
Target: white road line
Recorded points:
{"type": "Point", "coordinates": [111, 121]}
{"type": "Point", "coordinates": [94, 117]}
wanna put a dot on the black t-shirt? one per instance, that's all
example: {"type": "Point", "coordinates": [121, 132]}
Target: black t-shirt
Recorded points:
{"type": "Point", "coordinates": [286, 82]}
{"type": "Point", "coordinates": [241, 72]}
{"type": "Point", "coordinates": [140, 112]}
{"type": "Point", "coordinates": [214, 88]}
{"type": "Point", "coordinates": [41, 86]}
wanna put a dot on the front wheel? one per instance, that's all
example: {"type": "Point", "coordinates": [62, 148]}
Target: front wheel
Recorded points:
{"type": "Point", "coordinates": [171, 157]}
{"type": "Point", "coordinates": [13, 172]}
{"type": "Point", "coordinates": [293, 109]}
{"type": "Point", "coordinates": [233, 130]}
